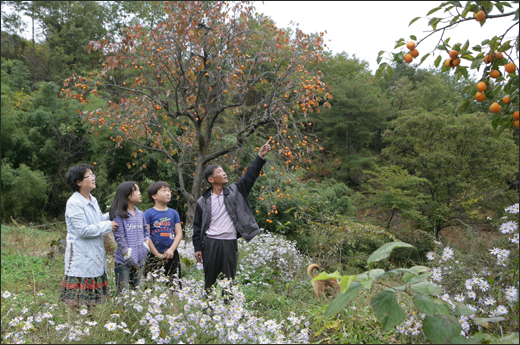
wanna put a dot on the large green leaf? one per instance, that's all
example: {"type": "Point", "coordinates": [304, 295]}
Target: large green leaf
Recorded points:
{"type": "Point", "coordinates": [346, 281]}
{"type": "Point", "coordinates": [387, 309]}
{"type": "Point", "coordinates": [385, 250]}
{"type": "Point", "coordinates": [427, 288]}
{"type": "Point", "coordinates": [481, 320]}
{"type": "Point", "coordinates": [424, 304]}
{"type": "Point", "coordinates": [420, 278]}
{"type": "Point", "coordinates": [441, 329]}
{"type": "Point", "coordinates": [342, 300]}
{"type": "Point", "coordinates": [374, 274]}
{"type": "Point", "coordinates": [325, 276]}
{"type": "Point", "coordinates": [461, 309]}
{"type": "Point", "coordinates": [414, 20]}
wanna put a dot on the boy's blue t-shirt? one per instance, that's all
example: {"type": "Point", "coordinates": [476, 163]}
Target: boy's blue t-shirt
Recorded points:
{"type": "Point", "coordinates": [162, 227]}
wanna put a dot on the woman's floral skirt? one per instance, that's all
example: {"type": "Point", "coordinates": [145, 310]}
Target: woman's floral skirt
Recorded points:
{"type": "Point", "coordinates": [84, 291]}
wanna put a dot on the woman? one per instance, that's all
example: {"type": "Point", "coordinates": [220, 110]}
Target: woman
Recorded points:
{"type": "Point", "coordinates": [85, 281]}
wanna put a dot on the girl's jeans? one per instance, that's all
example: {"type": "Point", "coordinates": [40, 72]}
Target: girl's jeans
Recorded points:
{"type": "Point", "coordinates": [126, 275]}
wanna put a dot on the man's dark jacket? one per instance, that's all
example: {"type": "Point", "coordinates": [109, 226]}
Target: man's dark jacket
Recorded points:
{"type": "Point", "coordinates": [237, 206]}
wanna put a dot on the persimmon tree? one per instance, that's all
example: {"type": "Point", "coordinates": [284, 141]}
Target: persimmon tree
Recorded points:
{"type": "Point", "coordinates": [212, 79]}
{"type": "Point", "coordinates": [497, 55]}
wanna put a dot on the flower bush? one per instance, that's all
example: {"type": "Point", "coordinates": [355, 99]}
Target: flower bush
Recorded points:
{"type": "Point", "coordinates": [490, 288]}
{"type": "Point", "coordinates": [158, 313]}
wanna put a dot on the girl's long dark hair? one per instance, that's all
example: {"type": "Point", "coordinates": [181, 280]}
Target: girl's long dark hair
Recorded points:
{"type": "Point", "coordinates": [120, 204]}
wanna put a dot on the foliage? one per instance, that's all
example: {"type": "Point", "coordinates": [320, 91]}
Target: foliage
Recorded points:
{"type": "Point", "coordinates": [443, 318]}
{"type": "Point", "coordinates": [487, 52]}
{"type": "Point", "coordinates": [395, 190]}
{"type": "Point", "coordinates": [23, 190]}
{"type": "Point", "coordinates": [204, 87]}
{"type": "Point", "coordinates": [459, 156]}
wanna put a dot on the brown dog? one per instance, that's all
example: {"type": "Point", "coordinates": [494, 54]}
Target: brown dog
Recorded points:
{"type": "Point", "coordinates": [329, 286]}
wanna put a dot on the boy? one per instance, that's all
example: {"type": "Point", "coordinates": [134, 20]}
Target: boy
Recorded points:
{"type": "Point", "coordinates": [164, 224]}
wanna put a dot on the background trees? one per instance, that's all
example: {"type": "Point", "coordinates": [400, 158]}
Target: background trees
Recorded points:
{"type": "Point", "coordinates": [395, 150]}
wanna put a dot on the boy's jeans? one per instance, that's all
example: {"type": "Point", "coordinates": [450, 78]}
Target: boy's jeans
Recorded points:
{"type": "Point", "coordinates": [126, 275]}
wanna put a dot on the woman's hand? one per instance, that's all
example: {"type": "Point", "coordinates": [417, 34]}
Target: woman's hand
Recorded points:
{"type": "Point", "coordinates": [114, 225]}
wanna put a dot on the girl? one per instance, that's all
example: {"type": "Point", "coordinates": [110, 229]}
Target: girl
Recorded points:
{"type": "Point", "coordinates": [132, 236]}
{"type": "Point", "coordinates": [85, 281]}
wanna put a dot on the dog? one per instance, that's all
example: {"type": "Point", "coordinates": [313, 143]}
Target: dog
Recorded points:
{"type": "Point", "coordinates": [330, 286]}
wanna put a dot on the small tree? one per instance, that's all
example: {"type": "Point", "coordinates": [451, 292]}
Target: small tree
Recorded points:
{"type": "Point", "coordinates": [210, 80]}
{"type": "Point", "coordinates": [498, 88]}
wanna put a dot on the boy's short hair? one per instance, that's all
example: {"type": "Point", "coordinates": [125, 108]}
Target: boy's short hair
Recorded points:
{"type": "Point", "coordinates": [77, 173]}
{"type": "Point", "coordinates": [209, 171]}
{"type": "Point", "coordinates": [154, 188]}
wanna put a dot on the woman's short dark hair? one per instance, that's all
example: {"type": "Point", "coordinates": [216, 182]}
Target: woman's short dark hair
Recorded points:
{"type": "Point", "coordinates": [209, 171]}
{"type": "Point", "coordinates": [119, 206]}
{"type": "Point", "coordinates": [154, 188]}
{"type": "Point", "coordinates": [77, 173]}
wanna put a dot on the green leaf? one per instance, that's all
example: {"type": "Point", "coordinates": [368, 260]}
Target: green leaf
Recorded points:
{"type": "Point", "coordinates": [397, 271]}
{"type": "Point", "coordinates": [433, 10]}
{"type": "Point", "coordinates": [465, 46]}
{"type": "Point", "coordinates": [464, 71]}
{"type": "Point", "coordinates": [481, 320]}
{"type": "Point", "coordinates": [341, 301]}
{"type": "Point", "coordinates": [413, 37]}
{"type": "Point", "coordinates": [379, 58]}
{"type": "Point", "coordinates": [325, 276]}
{"type": "Point", "coordinates": [505, 46]}
{"type": "Point", "coordinates": [346, 281]}
{"type": "Point", "coordinates": [414, 20]}
{"type": "Point", "coordinates": [499, 7]}
{"type": "Point", "coordinates": [427, 288]}
{"type": "Point", "coordinates": [387, 309]}
{"type": "Point", "coordinates": [374, 274]}
{"type": "Point", "coordinates": [441, 47]}
{"type": "Point", "coordinates": [420, 269]}
{"type": "Point", "coordinates": [457, 47]}
{"type": "Point", "coordinates": [432, 21]}
{"type": "Point", "coordinates": [424, 304]}
{"type": "Point", "coordinates": [389, 71]}
{"type": "Point", "coordinates": [477, 62]}
{"type": "Point", "coordinates": [437, 61]}
{"type": "Point", "coordinates": [367, 283]}
{"type": "Point", "coordinates": [424, 57]}
{"type": "Point", "coordinates": [420, 278]}
{"type": "Point", "coordinates": [454, 20]}
{"type": "Point", "coordinates": [462, 309]}
{"type": "Point", "coordinates": [443, 309]}
{"type": "Point", "coordinates": [486, 41]}
{"type": "Point", "coordinates": [487, 6]}
{"type": "Point", "coordinates": [441, 329]}
{"type": "Point", "coordinates": [477, 48]}
{"type": "Point", "coordinates": [385, 250]}
{"type": "Point", "coordinates": [400, 44]}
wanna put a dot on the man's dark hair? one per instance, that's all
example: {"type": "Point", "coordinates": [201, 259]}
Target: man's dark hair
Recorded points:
{"type": "Point", "coordinates": [77, 173]}
{"type": "Point", "coordinates": [209, 171]}
{"type": "Point", "coordinates": [154, 188]}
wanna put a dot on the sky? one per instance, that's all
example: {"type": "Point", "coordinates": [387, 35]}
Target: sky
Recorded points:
{"type": "Point", "coordinates": [364, 28]}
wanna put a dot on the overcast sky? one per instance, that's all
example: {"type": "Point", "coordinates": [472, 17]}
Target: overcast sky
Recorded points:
{"type": "Point", "coordinates": [365, 28]}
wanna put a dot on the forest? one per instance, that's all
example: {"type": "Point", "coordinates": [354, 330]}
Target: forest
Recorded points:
{"type": "Point", "coordinates": [147, 91]}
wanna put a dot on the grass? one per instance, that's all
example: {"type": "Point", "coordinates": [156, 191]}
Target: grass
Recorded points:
{"type": "Point", "coordinates": [28, 272]}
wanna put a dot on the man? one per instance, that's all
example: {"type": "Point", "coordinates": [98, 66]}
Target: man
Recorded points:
{"type": "Point", "coordinates": [222, 215]}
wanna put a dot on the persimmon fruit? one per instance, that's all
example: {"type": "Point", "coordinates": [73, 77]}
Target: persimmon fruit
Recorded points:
{"type": "Point", "coordinates": [510, 67]}
{"type": "Point", "coordinates": [410, 45]}
{"type": "Point", "coordinates": [481, 86]}
{"type": "Point", "coordinates": [408, 58]}
{"type": "Point", "coordinates": [494, 108]}
{"type": "Point", "coordinates": [480, 16]}
{"type": "Point", "coordinates": [454, 54]}
{"type": "Point", "coordinates": [494, 74]}
{"type": "Point", "coordinates": [479, 96]}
